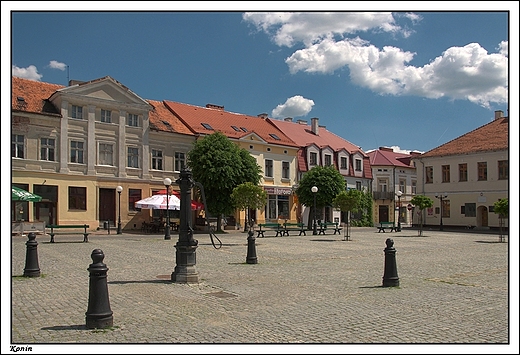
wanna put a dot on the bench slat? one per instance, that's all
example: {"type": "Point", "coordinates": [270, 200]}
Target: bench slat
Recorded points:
{"type": "Point", "coordinates": [68, 226]}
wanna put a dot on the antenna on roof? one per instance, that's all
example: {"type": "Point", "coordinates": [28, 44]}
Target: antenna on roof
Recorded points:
{"type": "Point", "coordinates": [68, 77]}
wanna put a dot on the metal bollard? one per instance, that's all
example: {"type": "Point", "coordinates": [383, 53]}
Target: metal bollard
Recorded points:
{"type": "Point", "coordinates": [390, 277]}
{"type": "Point", "coordinates": [32, 268]}
{"type": "Point", "coordinates": [251, 248]}
{"type": "Point", "coordinates": [99, 314]}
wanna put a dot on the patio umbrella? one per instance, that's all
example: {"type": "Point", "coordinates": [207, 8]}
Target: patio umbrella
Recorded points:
{"type": "Point", "coordinates": [158, 202]}
{"type": "Point", "coordinates": [195, 205]}
{"type": "Point", "coordinates": [22, 195]}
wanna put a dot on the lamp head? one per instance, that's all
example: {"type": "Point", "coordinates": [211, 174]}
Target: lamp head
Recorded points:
{"type": "Point", "coordinates": [119, 189]}
{"type": "Point", "coordinates": [399, 193]}
{"type": "Point", "coordinates": [314, 189]}
{"type": "Point", "coordinates": [167, 182]}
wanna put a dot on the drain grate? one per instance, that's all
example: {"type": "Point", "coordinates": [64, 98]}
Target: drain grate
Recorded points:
{"type": "Point", "coordinates": [221, 294]}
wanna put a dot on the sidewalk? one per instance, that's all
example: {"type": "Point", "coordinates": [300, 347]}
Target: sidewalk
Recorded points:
{"type": "Point", "coordinates": [313, 289]}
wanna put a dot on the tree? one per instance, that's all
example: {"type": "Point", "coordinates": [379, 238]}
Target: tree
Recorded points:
{"type": "Point", "coordinates": [348, 201]}
{"type": "Point", "coordinates": [421, 202]}
{"type": "Point", "coordinates": [501, 207]}
{"type": "Point", "coordinates": [220, 165]}
{"type": "Point", "coordinates": [329, 183]}
{"type": "Point", "coordinates": [246, 196]}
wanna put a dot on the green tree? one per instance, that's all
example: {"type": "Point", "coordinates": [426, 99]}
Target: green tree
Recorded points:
{"type": "Point", "coordinates": [348, 201]}
{"type": "Point", "coordinates": [246, 196]}
{"type": "Point", "coordinates": [220, 165]}
{"type": "Point", "coordinates": [501, 207]}
{"type": "Point", "coordinates": [421, 202]}
{"type": "Point", "coordinates": [329, 183]}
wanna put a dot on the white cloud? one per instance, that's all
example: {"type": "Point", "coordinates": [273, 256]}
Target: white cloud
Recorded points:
{"type": "Point", "coordinates": [460, 73]}
{"type": "Point", "coordinates": [57, 65]}
{"type": "Point", "coordinates": [31, 72]}
{"type": "Point", "coordinates": [293, 107]}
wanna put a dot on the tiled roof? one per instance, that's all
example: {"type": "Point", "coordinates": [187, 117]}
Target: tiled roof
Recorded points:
{"type": "Point", "coordinates": [303, 136]}
{"type": "Point", "coordinates": [163, 119]}
{"type": "Point", "coordinates": [384, 157]}
{"type": "Point", "coordinates": [492, 136]}
{"type": "Point", "coordinates": [232, 125]}
{"type": "Point", "coordinates": [30, 95]}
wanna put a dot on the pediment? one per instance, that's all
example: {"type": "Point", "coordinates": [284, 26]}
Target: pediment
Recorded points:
{"type": "Point", "coordinates": [252, 137]}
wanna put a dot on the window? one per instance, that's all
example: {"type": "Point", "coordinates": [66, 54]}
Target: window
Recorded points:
{"type": "Point", "coordinates": [285, 170]}
{"type": "Point", "coordinates": [106, 154]}
{"type": "Point", "coordinates": [463, 172]}
{"type": "Point", "coordinates": [343, 163]}
{"type": "Point", "coordinates": [313, 159]}
{"type": "Point", "coordinates": [134, 195]}
{"type": "Point", "coordinates": [157, 159]}
{"type": "Point", "coordinates": [133, 157]}
{"type": "Point", "coordinates": [445, 173]}
{"type": "Point", "coordinates": [76, 152]}
{"type": "Point", "coordinates": [17, 145]}
{"type": "Point", "coordinates": [268, 168]}
{"type": "Point", "coordinates": [77, 198]}
{"type": "Point", "coordinates": [414, 187]}
{"type": "Point", "coordinates": [180, 161]}
{"type": "Point", "coordinates": [207, 126]}
{"type": "Point", "coordinates": [402, 186]}
{"type": "Point", "coordinates": [244, 129]}
{"type": "Point", "coordinates": [470, 210]}
{"type": "Point", "coordinates": [274, 136]}
{"type": "Point", "coordinates": [77, 112]}
{"type": "Point", "coordinates": [328, 159]}
{"type": "Point", "coordinates": [358, 164]}
{"type": "Point", "coordinates": [132, 120]}
{"type": "Point", "coordinates": [47, 149]}
{"type": "Point", "coordinates": [106, 116]}
{"type": "Point", "coordinates": [358, 185]}
{"type": "Point", "coordinates": [429, 174]}
{"type": "Point", "coordinates": [503, 169]}
{"type": "Point", "coordinates": [236, 128]}
{"type": "Point", "coordinates": [382, 185]}
{"type": "Point", "coordinates": [277, 207]}
{"type": "Point", "coordinates": [482, 171]}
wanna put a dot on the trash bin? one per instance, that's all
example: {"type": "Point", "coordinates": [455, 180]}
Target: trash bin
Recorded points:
{"type": "Point", "coordinates": [105, 225]}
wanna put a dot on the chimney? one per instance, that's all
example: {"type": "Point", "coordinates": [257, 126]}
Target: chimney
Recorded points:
{"type": "Point", "coordinates": [217, 107]}
{"type": "Point", "coordinates": [314, 126]}
{"type": "Point", "coordinates": [288, 119]}
{"type": "Point", "coordinates": [415, 154]}
{"type": "Point", "coordinates": [263, 115]}
{"type": "Point", "coordinates": [302, 122]}
{"type": "Point", "coordinates": [387, 149]}
{"type": "Point", "coordinates": [499, 114]}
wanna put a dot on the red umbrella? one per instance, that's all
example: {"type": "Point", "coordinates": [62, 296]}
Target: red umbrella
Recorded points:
{"type": "Point", "coordinates": [194, 204]}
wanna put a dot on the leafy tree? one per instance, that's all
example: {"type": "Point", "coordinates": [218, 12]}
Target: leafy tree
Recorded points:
{"type": "Point", "coordinates": [220, 165]}
{"type": "Point", "coordinates": [348, 201]}
{"type": "Point", "coordinates": [421, 202]}
{"type": "Point", "coordinates": [246, 196]}
{"type": "Point", "coordinates": [329, 183]}
{"type": "Point", "coordinates": [364, 215]}
{"type": "Point", "coordinates": [501, 207]}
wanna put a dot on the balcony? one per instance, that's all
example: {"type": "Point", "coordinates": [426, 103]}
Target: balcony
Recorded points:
{"type": "Point", "coordinates": [383, 195]}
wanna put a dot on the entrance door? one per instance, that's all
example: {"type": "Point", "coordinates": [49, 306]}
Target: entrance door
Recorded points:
{"type": "Point", "coordinates": [383, 213]}
{"type": "Point", "coordinates": [482, 216]}
{"type": "Point", "coordinates": [107, 206]}
{"type": "Point", "coordinates": [45, 212]}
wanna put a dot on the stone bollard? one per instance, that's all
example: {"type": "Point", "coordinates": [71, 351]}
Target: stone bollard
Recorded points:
{"type": "Point", "coordinates": [390, 277]}
{"type": "Point", "coordinates": [251, 248]}
{"type": "Point", "coordinates": [99, 314]}
{"type": "Point", "coordinates": [32, 268]}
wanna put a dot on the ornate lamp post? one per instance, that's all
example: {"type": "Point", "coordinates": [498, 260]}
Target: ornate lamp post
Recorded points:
{"type": "Point", "coordinates": [314, 189]}
{"type": "Point", "coordinates": [167, 182]}
{"type": "Point", "coordinates": [441, 197]}
{"type": "Point", "coordinates": [119, 189]}
{"type": "Point", "coordinates": [399, 194]}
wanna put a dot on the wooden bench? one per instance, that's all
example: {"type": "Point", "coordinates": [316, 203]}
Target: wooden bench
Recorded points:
{"type": "Point", "coordinates": [324, 226]}
{"type": "Point", "coordinates": [386, 225]}
{"type": "Point", "coordinates": [297, 227]}
{"type": "Point", "coordinates": [265, 227]}
{"type": "Point", "coordinates": [83, 231]}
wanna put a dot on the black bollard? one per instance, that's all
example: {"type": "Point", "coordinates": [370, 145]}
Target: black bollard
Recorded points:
{"type": "Point", "coordinates": [251, 248]}
{"type": "Point", "coordinates": [390, 277]}
{"type": "Point", "coordinates": [32, 268]}
{"type": "Point", "coordinates": [99, 314]}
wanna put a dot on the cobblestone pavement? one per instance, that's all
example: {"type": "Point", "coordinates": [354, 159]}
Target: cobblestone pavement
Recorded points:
{"type": "Point", "coordinates": [313, 289]}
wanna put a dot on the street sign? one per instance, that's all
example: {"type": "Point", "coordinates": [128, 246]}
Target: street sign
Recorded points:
{"type": "Point", "coordinates": [409, 207]}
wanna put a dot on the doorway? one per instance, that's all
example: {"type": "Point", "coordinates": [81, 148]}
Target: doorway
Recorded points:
{"type": "Point", "coordinates": [107, 206]}
{"type": "Point", "coordinates": [482, 216]}
{"type": "Point", "coordinates": [383, 213]}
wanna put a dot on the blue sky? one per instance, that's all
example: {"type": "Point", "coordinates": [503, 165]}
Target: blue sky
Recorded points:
{"type": "Point", "coordinates": [408, 79]}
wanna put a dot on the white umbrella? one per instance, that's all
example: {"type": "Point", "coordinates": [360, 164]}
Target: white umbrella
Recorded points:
{"type": "Point", "coordinates": [159, 202]}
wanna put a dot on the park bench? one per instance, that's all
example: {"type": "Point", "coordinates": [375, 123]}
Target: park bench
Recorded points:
{"type": "Point", "coordinates": [386, 225]}
{"type": "Point", "coordinates": [79, 229]}
{"type": "Point", "coordinates": [297, 227]}
{"type": "Point", "coordinates": [324, 226]}
{"type": "Point", "coordinates": [266, 227]}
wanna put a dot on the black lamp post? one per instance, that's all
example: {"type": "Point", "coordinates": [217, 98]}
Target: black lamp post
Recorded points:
{"type": "Point", "coordinates": [399, 194]}
{"type": "Point", "coordinates": [119, 189]}
{"type": "Point", "coordinates": [167, 182]}
{"type": "Point", "coordinates": [314, 189]}
{"type": "Point", "coordinates": [441, 197]}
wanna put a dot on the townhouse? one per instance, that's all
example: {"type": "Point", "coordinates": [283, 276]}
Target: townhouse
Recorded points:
{"type": "Point", "coordinates": [466, 176]}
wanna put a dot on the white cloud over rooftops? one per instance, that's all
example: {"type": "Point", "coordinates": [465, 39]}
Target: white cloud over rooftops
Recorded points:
{"type": "Point", "coordinates": [293, 107]}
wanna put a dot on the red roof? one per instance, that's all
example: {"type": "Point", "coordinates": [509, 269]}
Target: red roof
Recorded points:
{"type": "Point", "coordinates": [30, 95]}
{"type": "Point", "coordinates": [384, 157]}
{"type": "Point", "coordinates": [163, 119]}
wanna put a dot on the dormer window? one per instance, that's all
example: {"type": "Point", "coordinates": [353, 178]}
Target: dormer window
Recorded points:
{"type": "Point", "coordinates": [207, 126]}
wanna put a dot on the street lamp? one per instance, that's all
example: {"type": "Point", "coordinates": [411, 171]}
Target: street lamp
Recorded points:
{"type": "Point", "coordinates": [119, 231]}
{"type": "Point", "coordinates": [399, 194]}
{"type": "Point", "coordinates": [314, 189]}
{"type": "Point", "coordinates": [167, 182]}
{"type": "Point", "coordinates": [441, 197]}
